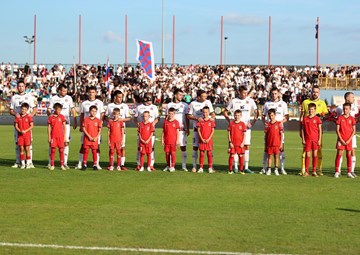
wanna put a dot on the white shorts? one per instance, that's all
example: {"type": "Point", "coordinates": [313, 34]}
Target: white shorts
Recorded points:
{"type": "Point", "coordinates": [123, 145]}
{"type": "Point", "coordinates": [67, 133]}
{"type": "Point", "coordinates": [182, 138]}
{"type": "Point", "coordinates": [354, 145]}
{"type": "Point", "coordinates": [247, 137]}
{"type": "Point", "coordinates": [195, 139]}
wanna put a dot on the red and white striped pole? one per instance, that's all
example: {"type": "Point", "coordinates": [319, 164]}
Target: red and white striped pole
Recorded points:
{"type": "Point", "coordinates": [79, 39]}
{"type": "Point", "coordinates": [126, 39]}
{"type": "Point", "coordinates": [269, 43]}
{"type": "Point", "coordinates": [35, 39]}
{"type": "Point", "coordinates": [221, 38]}
{"type": "Point", "coordinates": [173, 43]}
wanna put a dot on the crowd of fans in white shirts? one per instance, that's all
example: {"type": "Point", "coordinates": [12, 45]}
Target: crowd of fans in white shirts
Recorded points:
{"type": "Point", "coordinates": [220, 82]}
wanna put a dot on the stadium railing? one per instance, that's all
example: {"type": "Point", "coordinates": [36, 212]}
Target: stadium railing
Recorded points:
{"type": "Point", "coordinates": [343, 83]}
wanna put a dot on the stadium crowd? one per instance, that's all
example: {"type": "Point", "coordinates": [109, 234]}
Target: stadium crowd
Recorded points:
{"type": "Point", "coordinates": [220, 82]}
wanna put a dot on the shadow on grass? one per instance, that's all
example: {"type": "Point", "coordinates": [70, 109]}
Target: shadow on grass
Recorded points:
{"type": "Point", "coordinates": [348, 210]}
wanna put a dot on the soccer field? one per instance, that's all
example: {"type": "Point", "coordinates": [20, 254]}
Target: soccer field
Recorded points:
{"type": "Point", "coordinates": [175, 212]}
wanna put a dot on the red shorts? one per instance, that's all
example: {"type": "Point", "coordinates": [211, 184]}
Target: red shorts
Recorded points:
{"type": "Point", "coordinates": [24, 140]}
{"type": "Point", "coordinates": [205, 146]}
{"type": "Point", "coordinates": [57, 142]}
{"type": "Point", "coordinates": [145, 148]}
{"type": "Point", "coordinates": [273, 150]}
{"type": "Point", "coordinates": [347, 147]}
{"type": "Point", "coordinates": [115, 145]}
{"type": "Point", "coordinates": [237, 150]}
{"type": "Point", "coordinates": [311, 146]}
{"type": "Point", "coordinates": [93, 146]}
{"type": "Point", "coordinates": [170, 147]}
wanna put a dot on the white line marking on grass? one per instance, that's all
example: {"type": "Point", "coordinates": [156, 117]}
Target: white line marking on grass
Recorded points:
{"type": "Point", "coordinates": [94, 248]}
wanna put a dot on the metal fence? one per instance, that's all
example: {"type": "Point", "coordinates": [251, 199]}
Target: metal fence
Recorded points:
{"type": "Point", "coordinates": [343, 83]}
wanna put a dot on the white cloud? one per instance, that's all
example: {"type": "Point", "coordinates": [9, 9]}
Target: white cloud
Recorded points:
{"type": "Point", "coordinates": [110, 37]}
{"type": "Point", "coordinates": [245, 20]}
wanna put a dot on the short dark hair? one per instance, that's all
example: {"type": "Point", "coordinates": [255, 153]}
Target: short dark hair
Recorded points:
{"type": "Point", "coordinates": [172, 109]}
{"type": "Point", "coordinates": [346, 104]}
{"type": "Point", "coordinates": [117, 92]}
{"type": "Point", "coordinates": [26, 105]}
{"type": "Point", "coordinates": [176, 91]}
{"type": "Point", "coordinates": [57, 105]}
{"type": "Point", "coordinates": [62, 86]}
{"type": "Point", "coordinates": [200, 92]}
{"type": "Point", "coordinates": [271, 111]}
{"type": "Point", "coordinates": [116, 110]}
{"type": "Point", "coordinates": [312, 105]}
{"type": "Point", "coordinates": [347, 94]}
{"type": "Point", "coordinates": [205, 108]}
{"type": "Point", "coordinates": [242, 88]}
{"type": "Point", "coordinates": [237, 111]}
{"type": "Point", "coordinates": [274, 89]}
{"type": "Point", "coordinates": [93, 107]}
{"type": "Point", "coordinates": [91, 88]}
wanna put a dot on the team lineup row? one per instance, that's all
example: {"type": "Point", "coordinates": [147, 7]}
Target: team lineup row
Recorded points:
{"type": "Point", "coordinates": [176, 128]}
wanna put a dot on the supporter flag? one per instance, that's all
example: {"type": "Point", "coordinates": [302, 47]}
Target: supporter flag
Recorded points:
{"type": "Point", "coordinates": [107, 74]}
{"type": "Point", "coordinates": [317, 29]}
{"type": "Point", "coordinates": [145, 57]}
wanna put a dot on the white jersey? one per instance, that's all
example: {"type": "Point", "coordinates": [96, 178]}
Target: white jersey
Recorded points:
{"type": "Point", "coordinates": [67, 104]}
{"type": "Point", "coordinates": [353, 111]}
{"type": "Point", "coordinates": [124, 110]}
{"type": "Point", "coordinates": [280, 107]}
{"type": "Point", "coordinates": [17, 100]}
{"type": "Point", "coordinates": [152, 109]}
{"type": "Point", "coordinates": [247, 107]}
{"type": "Point", "coordinates": [85, 108]}
{"type": "Point", "coordinates": [180, 114]}
{"type": "Point", "coordinates": [195, 109]}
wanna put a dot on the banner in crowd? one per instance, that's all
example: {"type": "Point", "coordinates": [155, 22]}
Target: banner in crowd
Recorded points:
{"type": "Point", "coordinates": [145, 57]}
{"type": "Point", "coordinates": [338, 100]}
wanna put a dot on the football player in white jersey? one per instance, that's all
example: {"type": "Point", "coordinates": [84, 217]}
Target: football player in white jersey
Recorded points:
{"type": "Point", "coordinates": [15, 109]}
{"type": "Point", "coordinates": [354, 111]}
{"type": "Point", "coordinates": [282, 115]}
{"type": "Point", "coordinates": [124, 117]}
{"type": "Point", "coordinates": [182, 110]}
{"type": "Point", "coordinates": [248, 107]}
{"type": "Point", "coordinates": [196, 115]}
{"type": "Point", "coordinates": [147, 105]}
{"type": "Point", "coordinates": [85, 112]}
{"type": "Point", "coordinates": [67, 107]}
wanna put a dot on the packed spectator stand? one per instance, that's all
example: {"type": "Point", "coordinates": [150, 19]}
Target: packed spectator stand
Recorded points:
{"type": "Point", "coordinates": [220, 82]}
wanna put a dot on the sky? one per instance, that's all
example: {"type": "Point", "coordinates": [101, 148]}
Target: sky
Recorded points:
{"type": "Point", "coordinates": [197, 31]}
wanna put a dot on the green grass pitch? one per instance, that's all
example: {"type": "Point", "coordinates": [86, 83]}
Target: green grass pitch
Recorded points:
{"type": "Point", "coordinates": [182, 211]}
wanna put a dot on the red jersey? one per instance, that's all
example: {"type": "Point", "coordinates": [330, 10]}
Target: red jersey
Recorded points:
{"type": "Point", "coordinates": [57, 125]}
{"type": "Point", "coordinates": [205, 128]}
{"type": "Point", "coordinates": [146, 130]}
{"type": "Point", "coordinates": [23, 124]}
{"type": "Point", "coordinates": [237, 131]}
{"type": "Point", "coordinates": [311, 128]}
{"type": "Point", "coordinates": [273, 132]}
{"type": "Point", "coordinates": [92, 127]}
{"type": "Point", "coordinates": [346, 126]}
{"type": "Point", "coordinates": [115, 128]}
{"type": "Point", "coordinates": [170, 129]}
